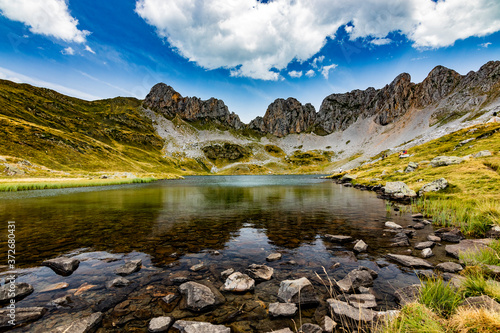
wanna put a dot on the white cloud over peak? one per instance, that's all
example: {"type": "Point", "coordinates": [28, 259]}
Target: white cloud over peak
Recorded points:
{"type": "Point", "coordinates": [295, 74]}
{"type": "Point", "coordinates": [47, 17]}
{"type": "Point", "coordinates": [68, 51]}
{"type": "Point", "coordinates": [325, 71]}
{"type": "Point", "coordinates": [258, 40]}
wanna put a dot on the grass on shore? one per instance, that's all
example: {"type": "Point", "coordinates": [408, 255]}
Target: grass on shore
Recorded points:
{"type": "Point", "coordinates": [20, 186]}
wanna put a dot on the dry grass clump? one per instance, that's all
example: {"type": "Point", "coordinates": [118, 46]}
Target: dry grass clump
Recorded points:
{"type": "Point", "coordinates": [481, 320]}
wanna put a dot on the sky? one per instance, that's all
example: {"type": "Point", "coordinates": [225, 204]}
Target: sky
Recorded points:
{"type": "Point", "coordinates": [245, 52]}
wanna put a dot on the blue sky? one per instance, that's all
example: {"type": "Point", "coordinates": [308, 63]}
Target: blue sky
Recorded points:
{"type": "Point", "coordinates": [245, 52]}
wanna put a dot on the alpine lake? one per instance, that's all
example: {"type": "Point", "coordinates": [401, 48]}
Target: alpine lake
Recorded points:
{"type": "Point", "coordinates": [193, 230]}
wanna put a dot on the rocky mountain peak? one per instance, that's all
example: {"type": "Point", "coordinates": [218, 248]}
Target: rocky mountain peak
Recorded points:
{"type": "Point", "coordinates": [164, 99]}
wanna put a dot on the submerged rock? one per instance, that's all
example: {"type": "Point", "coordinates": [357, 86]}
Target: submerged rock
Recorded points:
{"type": "Point", "coordinates": [282, 309]}
{"type": "Point", "coordinates": [273, 257]}
{"type": "Point", "coordinates": [337, 238]}
{"type": "Point", "coordinates": [130, 267]}
{"type": "Point", "coordinates": [21, 290]}
{"type": "Point", "coordinates": [409, 261]}
{"type": "Point", "coordinates": [185, 326]}
{"type": "Point", "coordinates": [63, 266]}
{"type": "Point", "coordinates": [84, 325]}
{"type": "Point", "coordinates": [23, 315]}
{"type": "Point", "coordinates": [289, 292]}
{"type": "Point", "coordinates": [260, 272]}
{"type": "Point", "coordinates": [118, 283]}
{"type": "Point", "coordinates": [400, 239]}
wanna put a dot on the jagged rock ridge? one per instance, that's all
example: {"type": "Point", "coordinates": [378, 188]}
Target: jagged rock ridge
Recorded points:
{"type": "Point", "coordinates": [170, 103]}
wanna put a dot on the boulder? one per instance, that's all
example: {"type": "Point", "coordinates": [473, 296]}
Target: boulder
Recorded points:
{"type": "Point", "coordinates": [289, 292]}
{"type": "Point", "coordinates": [310, 328]}
{"type": "Point", "coordinates": [21, 290]}
{"type": "Point", "coordinates": [392, 225]}
{"type": "Point", "coordinates": [130, 267]}
{"type": "Point", "coordinates": [185, 326]}
{"type": "Point", "coordinates": [424, 245]}
{"type": "Point", "coordinates": [63, 266]}
{"type": "Point", "coordinates": [23, 315]}
{"type": "Point", "coordinates": [362, 300]}
{"type": "Point", "coordinates": [427, 253]}
{"type": "Point", "coordinates": [398, 190]}
{"type": "Point", "coordinates": [343, 311]}
{"type": "Point", "coordinates": [337, 238]}
{"type": "Point", "coordinates": [483, 153]}
{"type": "Point", "coordinates": [449, 267]}
{"type": "Point", "coordinates": [408, 294]}
{"type": "Point", "coordinates": [409, 261]}
{"type": "Point", "coordinates": [160, 324]}
{"type": "Point", "coordinates": [282, 309]}
{"type": "Point", "coordinates": [360, 246]}
{"type": "Point", "coordinates": [260, 272]}
{"type": "Point", "coordinates": [360, 277]}
{"type": "Point", "coordinates": [467, 245]}
{"type": "Point", "coordinates": [412, 166]}
{"type": "Point", "coordinates": [199, 297]}
{"type": "Point", "coordinates": [84, 325]}
{"type": "Point", "coordinates": [434, 186]}
{"type": "Point", "coordinates": [452, 235]}
{"type": "Point", "coordinates": [274, 257]}
{"type": "Point", "coordinates": [238, 282]}
{"type": "Point", "coordinates": [446, 160]}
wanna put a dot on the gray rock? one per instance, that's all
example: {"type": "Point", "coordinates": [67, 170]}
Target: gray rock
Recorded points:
{"type": "Point", "coordinates": [227, 272]}
{"type": "Point", "coordinates": [412, 166]}
{"type": "Point", "coordinates": [238, 282]}
{"type": "Point", "coordinates": [362, 300]}
{"type": "Point", "coordinates": [130, 267]}
{"type": "Point", "coordinates": [467, 245]}
{"type": "Point", "coordinates": [398, 190]}
{"type": "Point", "coordinates": [446, 160]}
{"type": "Point", "coordinates": [434, 186]}
{"type": "Point", "coordinates": [185, 326]}
{"type": "Point", "coordinates": [283, 330]}
{"type": "Point", "coordinates": [274, 257]}
{"type": "Point", "coordinates": [386, 316]}
{"type": "Point", "coordinates": [360, 246]}
{"type": "Point", "coordinates": [260, 272]}
{"type": "Point", "coordinates": [329, 324]}
{"type": "Point", "coordinates": [282, 309]}
{"type": "Point", "coordinates": [408, 294]}
{"type": "Point", "coordinates": [483, 301]}
{"type": "Point", "coordinates": [427, 253]}
{"type": "Point", "coordinates": [409, 261]}
{"type": "Point", "coordinates": [289, 292]}
{"type": "Point", "coordinates": [417, 216]}
{"type": "Point", "coordinates": [197, 267]}
{"type": "Point", "coordinates": [199, 297]}
{"type": "Point", "coordinates": [360, 277]}
{"type": "Point", "coordinates": [424, 245]}
{"type": "Point", "coordinates": [449, 267]}
{"type": "Point", "coordinates": [60, 302]}
{"type": "Point", "coordinates": [337, 238]}
{"type": "Point", "coordinates": [118, 282]}
{"type": "Point", "coordinates": [400, 240]}
{"type": "Point", "coordinates": [310, 328]}
{"type": "Point", "coordinates": [84, 325]}
{"type": "Point", "coordinates": [452, 235]}
{"type": "Point", "coordinates": [343, 311]}
{"type": "Point", "coordinates": [63, 266]}
{"type": "Point", "coordinates": [159, 324]}
{"type": "Point", "coordinates": [418, 226]}
{"type": "Point", "coordinates": [23, 315]}
{"type": "Point", "coordinates": [392, 225]}
{"type": "Point", "coordinates": [493, 270]}
{"type": "Point", "coordinates": [21, 290]}
{"type": "Point", "coordinates": [433, 238]}
{"type": "Point", "coordinates": [483, 153]}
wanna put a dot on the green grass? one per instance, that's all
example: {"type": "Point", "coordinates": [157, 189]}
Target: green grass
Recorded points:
{"type": "Point", "coordinates": [439, 296]}
{"type": "Point", "coordinates": [489, 256]}
{"type": "Point", "coordinates": [15, 187]}
{"type": "Point", "coordinates": [414, 318]}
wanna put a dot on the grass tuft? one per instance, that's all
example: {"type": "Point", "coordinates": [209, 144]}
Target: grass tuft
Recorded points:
{"type": "Point", "coordinates": [467, 320]}
{"type": "Point", "coordinates": [415, 318]}
{"type": "Point", "coordinates": [441, 297]}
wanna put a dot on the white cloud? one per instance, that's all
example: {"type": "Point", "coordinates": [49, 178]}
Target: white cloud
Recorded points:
{"type": "Point", "coordinates": [325, 71]}
{"type": "Point", "coordinates": [310, 73]}
{"type": "Point", "coordinates": [7, 74]}
{"type": "Point", "coordinates": [381, 41]}
{"type": "Point", "coordinates": [47, 17]}
{"type": "Point", "coordinates": [87, 48]}
{"type": "Point", "coordinates": [68, 51]}
{"type": "Point", "coordinates": [258, 40]}
{"type": "Point", "coordinates": [317, 60]}
{"type": "Point", "coordinates": [485, 45]}
{"type": "Point", "coordinates": [295, 74]}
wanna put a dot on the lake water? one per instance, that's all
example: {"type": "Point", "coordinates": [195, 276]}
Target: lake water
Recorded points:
{"type": "Point", "coordinates": [220, 221]}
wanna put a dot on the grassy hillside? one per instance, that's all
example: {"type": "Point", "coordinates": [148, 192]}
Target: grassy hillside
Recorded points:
{"type": "Point", "coordinates": [73, 135]}
{"type": "Point", "coordinates": [472, 199]}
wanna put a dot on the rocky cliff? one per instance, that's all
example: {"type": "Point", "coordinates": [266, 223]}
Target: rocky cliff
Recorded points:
{"type": "Point", "coordinates": [164, 99]}
{"type": "Point", "coordinates": [284, 117]}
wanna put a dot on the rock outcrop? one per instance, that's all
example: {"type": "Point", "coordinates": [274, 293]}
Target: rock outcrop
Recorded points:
{"type": "Point", "coordinates": [284, 117]}
{"type": "Point", "coordinates": [164, 99]}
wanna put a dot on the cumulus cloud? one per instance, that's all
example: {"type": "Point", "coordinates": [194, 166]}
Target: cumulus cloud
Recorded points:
{"type": "Point", "coordinates": [325, 71]}
{"type": "Point", "coordinates": [47, 17]}
{"type": "Point", "coordinates": [381, 41]}
{"type": "Point", "coordinates": [310, 73]}
{"type": "Point", "coordinates": [259, 40]}
{"type": "Point", "coordinates": [295, 74]}
{"type": "Point", "coordinates": [68, 51]}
